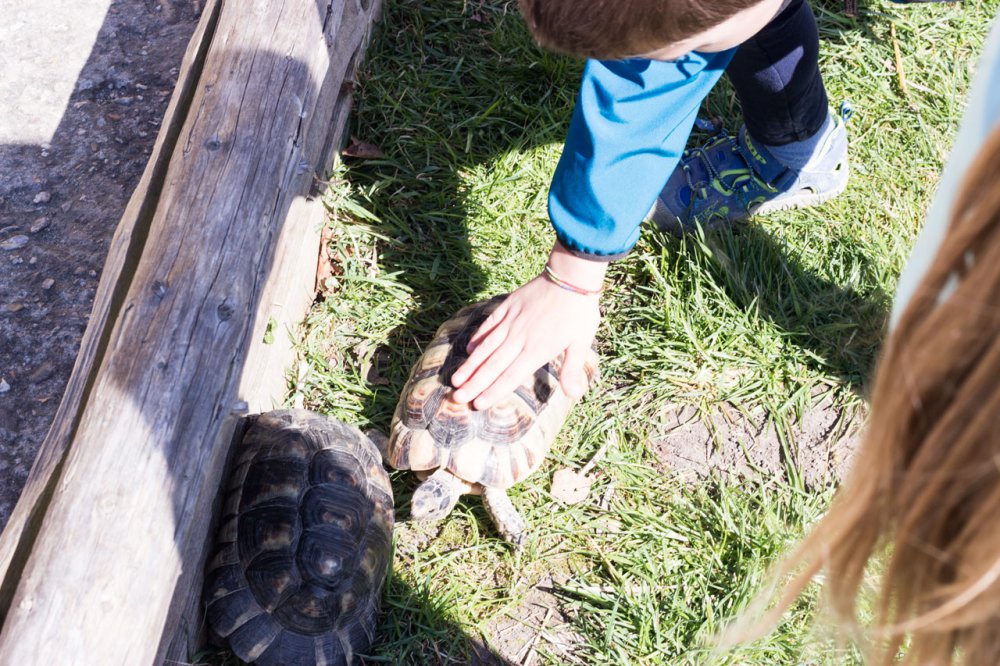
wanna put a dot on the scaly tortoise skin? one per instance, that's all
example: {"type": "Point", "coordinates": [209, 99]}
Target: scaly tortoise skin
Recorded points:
{"type": "Point", "coordinates": [305, 543]}
{"type": "Point", "coordinates": [462, 450]}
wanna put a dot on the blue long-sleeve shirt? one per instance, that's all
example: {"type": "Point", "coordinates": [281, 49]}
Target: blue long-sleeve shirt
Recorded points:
{"type": "Point", "coordinates": [630, 125]}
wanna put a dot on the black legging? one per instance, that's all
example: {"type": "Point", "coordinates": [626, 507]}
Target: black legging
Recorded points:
{"type": "Point", "coordinates": [776, 75]}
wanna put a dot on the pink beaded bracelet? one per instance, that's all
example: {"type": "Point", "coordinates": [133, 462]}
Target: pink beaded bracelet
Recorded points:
{"type": "Point", "coordinates": [559, 282]}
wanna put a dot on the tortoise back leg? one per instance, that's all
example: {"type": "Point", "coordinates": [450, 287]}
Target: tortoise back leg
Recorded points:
{"type": "Point", "coordinates": [436, 496]}
{"type": "Point", "coordinates": [510, 523]}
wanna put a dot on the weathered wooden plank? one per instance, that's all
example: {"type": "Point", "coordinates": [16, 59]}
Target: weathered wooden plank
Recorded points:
{"type": "Point", "coordinates": [118, 555]}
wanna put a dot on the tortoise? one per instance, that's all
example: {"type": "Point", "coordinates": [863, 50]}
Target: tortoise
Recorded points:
{"type": "Point", "coordinates": [305, 542]}
{"type": "Point", "coordinates": [456, 449]}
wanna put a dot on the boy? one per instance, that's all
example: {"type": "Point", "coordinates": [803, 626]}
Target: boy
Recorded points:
{"type": "Point", "coordinates": [652, 63]}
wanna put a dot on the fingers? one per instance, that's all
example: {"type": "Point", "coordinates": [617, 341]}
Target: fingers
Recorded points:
{"type": "Point", "coordinates": [483, 350]}
{"type": "Point", "coordinates": [519, 369]}
{"type": "Point", "coordinates": [492, 324]}
{"type": "Point", "coordinates": [498, 364]}
{"type": "Point", "coordinates": [573, 377]}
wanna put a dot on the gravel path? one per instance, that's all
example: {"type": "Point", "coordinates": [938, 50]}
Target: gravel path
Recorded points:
{"type": "Point", "coordinates": [83, 86]}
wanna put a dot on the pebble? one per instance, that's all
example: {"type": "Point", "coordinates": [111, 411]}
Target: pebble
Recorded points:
{"type": "Point", "coordinates": [4, 386]}
{"type": "Point", "coordinates": [39, 224]}
{"type": "Point", "coordinates": [47, 283]}
{"type": "Point", "coordinates": [15, 307]}
{"type": "Point", "coordinates": [42, 197]}
{"type": "Point", "coordinates": [14, 242]}
{"type": "Point", "coordinates": [43, 372]}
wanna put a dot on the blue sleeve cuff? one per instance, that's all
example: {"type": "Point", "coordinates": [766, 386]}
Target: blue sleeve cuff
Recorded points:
{"type": "Point", "coordinates": [630, 125]}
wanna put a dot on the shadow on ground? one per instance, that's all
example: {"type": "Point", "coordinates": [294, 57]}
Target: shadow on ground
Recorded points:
{"type": "Point", "coordinates": [840, 327]}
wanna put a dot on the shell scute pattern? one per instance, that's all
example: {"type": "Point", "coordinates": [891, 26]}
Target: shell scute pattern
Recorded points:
{"type": "Point", "coordinates": [325, 505]}
{"type": "Point", "coordinates": [507, 417]}
{"type": "Point", "coordinates": [449, 422]}
{"type": "Point", "coordinates": [496, 447]}
{"type": "Point", "coordinates": [267, 527]}
{"type": "Point", "coordinates": [336, 468]}
{"type": "Point", "coordinates": [273, 480]}
{"type": "Point", "coordinates": [254, 636]}
{"type": "Point", "coordinates": [305, 542]}
{"type": "Point", "coordinates": [497, 468]}
{"type": "Point", "coordinates": [271, 576]}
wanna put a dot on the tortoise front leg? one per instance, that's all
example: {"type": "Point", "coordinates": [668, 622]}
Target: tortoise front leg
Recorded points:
{"type": "Point", "coordinates": [437, 496]}
{"type": "Point", "coordinates": [510, 523]}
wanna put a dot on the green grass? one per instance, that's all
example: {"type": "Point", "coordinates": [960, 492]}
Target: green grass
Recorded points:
{"type": "Point", "coordinates": [773, 316]}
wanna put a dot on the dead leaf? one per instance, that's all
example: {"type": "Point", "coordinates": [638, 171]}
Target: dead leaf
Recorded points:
{"type": "Point", "coordinates": [362, 149]}
{"type": "Point", "coordinates": [324, 266]}
{"type": "Point", "coordinates": [570, 487]}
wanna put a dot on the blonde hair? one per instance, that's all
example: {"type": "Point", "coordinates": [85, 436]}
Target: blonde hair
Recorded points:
{"type": "Point", "coordinates": [925, 487]}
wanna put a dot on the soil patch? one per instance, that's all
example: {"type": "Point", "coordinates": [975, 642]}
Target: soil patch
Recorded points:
{"type": "Point", "coordinates": [538, 624]}
{"type": "Point", "coordinates": [730, 443]}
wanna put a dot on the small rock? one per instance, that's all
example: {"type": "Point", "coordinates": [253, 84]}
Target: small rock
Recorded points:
{"type": "Point", "coordinates": [4, 386]}
{"type": "Point", "coordinates": [570, 487]}
{"type": "Point", "coordinates": [14, 242]}
{"type": "Point", "coordinates": [33, 261]}
{"type": "Point", "coordinates": [47, 283]}
{"type": "Point", "coordinates": [42, 197]}
{"type": "Point", "coordinates": [43, 372]}
{"type": "Point", "coordinates": [15, 307]}
{"type": "Point", "coordinates": [39, 224]}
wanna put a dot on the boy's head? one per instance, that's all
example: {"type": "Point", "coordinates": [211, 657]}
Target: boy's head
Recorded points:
{"type": "Point", "coordinates": [656, 29]}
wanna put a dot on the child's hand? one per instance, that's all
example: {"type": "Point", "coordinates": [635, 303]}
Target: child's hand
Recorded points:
{"type": "Point", "coordinates": [531, 327]}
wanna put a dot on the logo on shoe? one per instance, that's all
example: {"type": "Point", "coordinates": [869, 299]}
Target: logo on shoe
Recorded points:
{"type": "Point", "coordinates": [753, 149]}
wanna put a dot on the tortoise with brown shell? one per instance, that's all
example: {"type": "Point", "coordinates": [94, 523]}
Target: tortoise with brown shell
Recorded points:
{"type": "Point", "coordinates": [304, 546]}
{"type": "Point", "coordinates": [457, 449]}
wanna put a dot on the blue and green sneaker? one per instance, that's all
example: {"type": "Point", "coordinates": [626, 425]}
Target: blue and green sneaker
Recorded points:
{"type": "Point", "coordinates": [730, 179]}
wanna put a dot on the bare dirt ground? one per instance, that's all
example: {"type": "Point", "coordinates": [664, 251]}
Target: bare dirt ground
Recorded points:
{"type": "Point", "coordinates": [821, 445]}
{"type": "Point", "coordinates": [73, 144]}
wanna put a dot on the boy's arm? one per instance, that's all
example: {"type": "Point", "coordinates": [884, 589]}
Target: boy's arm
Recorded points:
{"type": "Point", "coordinates": [629, 128]}
{"type": "Point", "coordinates": [630, 125]}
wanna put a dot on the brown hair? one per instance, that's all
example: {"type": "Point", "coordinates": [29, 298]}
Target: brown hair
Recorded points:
{"type": "Point", "coordinates": [615, 29]}
{"type": "Point", "coordinates": [925, 488]}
